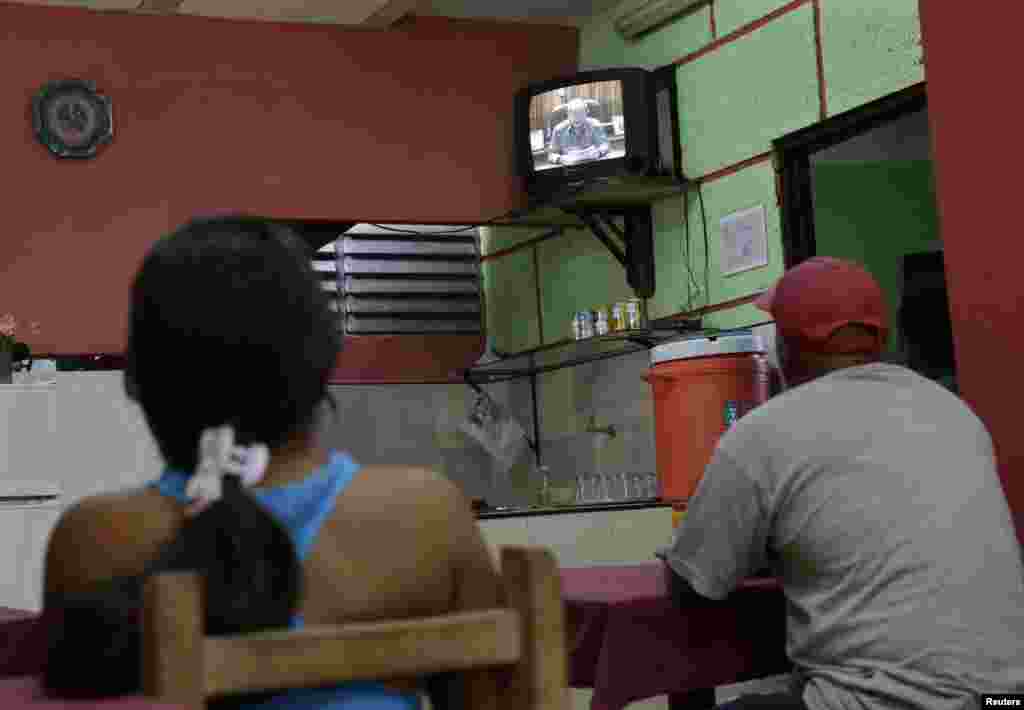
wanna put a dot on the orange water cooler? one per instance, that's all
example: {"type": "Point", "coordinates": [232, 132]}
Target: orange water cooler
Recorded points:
{"type": "Point", "coordinates": [700, 386]}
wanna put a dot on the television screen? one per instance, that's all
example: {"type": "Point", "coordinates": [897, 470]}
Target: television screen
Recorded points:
{"type": "Point", "coordinates": [576, 124]}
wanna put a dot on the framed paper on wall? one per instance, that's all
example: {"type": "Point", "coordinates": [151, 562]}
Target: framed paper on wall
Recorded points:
{"type": "Point", "coordinates": [744, 241]}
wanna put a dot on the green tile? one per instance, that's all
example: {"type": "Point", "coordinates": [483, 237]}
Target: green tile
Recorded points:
{"type": "Point", "coordinates": [601, 46]}
{"type": "Point", "coordinates": [674, 286]}
{"type": "Point", "coordinates": [730, 15]}
{"type": "Point", "coordinates": [494, 239]}
{"type": "Point", "coordinates": [511, 295]}
{"type": "Point", "coordinates": [870, 48]}
{"type": "Point", "coordinates": [743, 316]}
{"type": "Point", "coordinates": [577, 272]}
{"type": "Point", "coordinates": [748, 188]}
{"type": "Point", "coordinates": [736, 100]}
{"type": "Point", "coordinates": [556, 393]}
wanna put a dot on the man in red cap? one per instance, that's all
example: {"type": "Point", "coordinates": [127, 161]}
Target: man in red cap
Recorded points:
{"type": "Point", "coordinates": [876, 491]}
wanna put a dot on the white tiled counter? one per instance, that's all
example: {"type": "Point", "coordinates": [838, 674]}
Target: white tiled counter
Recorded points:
{"type": "Point", "coordinates": [597, 537]}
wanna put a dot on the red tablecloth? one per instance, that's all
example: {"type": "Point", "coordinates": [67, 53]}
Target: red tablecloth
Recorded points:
{"type": "Point", "coordinates": [25, 693]}
{"type": "Point", "coordinates": [22, 655]}
{"type": "Point", "coordinates": [628, 641]}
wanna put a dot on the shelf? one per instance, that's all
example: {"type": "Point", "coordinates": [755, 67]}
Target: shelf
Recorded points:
{"type": "Point", "coordinates": [595, 507]}
{"type": "Point", "coordinates": [606, 195]}
{"type": "Point", "coordinates": [570, 353]}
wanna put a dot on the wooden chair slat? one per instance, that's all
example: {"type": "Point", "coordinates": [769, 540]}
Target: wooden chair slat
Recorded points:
{"type": "Point", "coordinates": [513, 657]}
{"type": "Point", "coordinates": [366, 651]}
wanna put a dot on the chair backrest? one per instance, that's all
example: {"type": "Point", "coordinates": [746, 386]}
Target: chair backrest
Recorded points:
{"type": "Point", "coordinates": [523, 644]}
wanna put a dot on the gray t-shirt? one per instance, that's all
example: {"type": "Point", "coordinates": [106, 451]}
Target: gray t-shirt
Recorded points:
{"type": "Point", "coordinates": [903, 577]}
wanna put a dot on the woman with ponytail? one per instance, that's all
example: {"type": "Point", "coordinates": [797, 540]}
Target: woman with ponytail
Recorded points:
{"type": "Point", "coordinates": [230, 344]}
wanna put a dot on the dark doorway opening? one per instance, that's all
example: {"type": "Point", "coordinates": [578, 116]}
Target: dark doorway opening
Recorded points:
{"type": "Point", "coordinates": [861, 186]}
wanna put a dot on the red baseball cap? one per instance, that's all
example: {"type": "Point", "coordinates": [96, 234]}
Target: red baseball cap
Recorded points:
{"type": "Point", "coordinates": [822, 294]}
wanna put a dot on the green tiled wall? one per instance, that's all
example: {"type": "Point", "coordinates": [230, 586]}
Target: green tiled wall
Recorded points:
{"type": "Point", "coordinates": [735, 100]}
{"type": "Point", "coordinates": [871, 48]}
{"type": "Point", "coordinates": [730, 15]}
{"type": "Point", "coordinates": [511, 302]}
{"type": "Point", "coordinates": [675, 288]}
{"type": "Point", "coordinates": [577, 272]}
{"type": "Point", "coordinates": [493, 239]}
{"type": "Point", "coordinates": [748, 188]}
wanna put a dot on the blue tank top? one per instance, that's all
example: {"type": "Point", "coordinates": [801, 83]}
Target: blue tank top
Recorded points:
{"type": "Point", "coordinates": [302, 508]}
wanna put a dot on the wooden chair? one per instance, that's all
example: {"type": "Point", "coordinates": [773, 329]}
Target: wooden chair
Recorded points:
{"type": "Point", "coordinates": [525, 643]}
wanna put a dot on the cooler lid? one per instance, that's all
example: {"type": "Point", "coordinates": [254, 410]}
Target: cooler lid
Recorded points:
{"type": "Point", "coordinates": [733, 343]}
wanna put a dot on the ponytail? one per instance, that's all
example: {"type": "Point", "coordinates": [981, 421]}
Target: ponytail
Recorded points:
{"type": "Point", "coordinates": [252, 578]}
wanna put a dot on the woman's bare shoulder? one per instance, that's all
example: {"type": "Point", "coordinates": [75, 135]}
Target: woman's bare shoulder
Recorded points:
{"type": "Point", "coordinates": [413, 496]}
{"type": "Point", "coordinates": [406, 485]}
{"type": "Point", "coordinates": [107, 535]}
{"type": "Point", "coordinates": [446, 530]}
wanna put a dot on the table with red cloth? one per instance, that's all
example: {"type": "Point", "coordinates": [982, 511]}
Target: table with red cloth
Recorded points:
{"type": "Point", "coordinates": [23, 636]}
{"type": "Point", "coordinates": [629, 641]}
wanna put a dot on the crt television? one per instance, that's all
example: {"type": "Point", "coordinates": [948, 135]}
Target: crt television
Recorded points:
{"type": "Point", "coordinates": [597, 124]}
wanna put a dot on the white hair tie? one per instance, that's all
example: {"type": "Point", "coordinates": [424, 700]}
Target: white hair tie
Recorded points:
{"type": "Point", "coordinates": [218, 456]}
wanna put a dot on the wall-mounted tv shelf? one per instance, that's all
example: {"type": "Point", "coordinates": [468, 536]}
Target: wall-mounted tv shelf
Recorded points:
{"type": "Point", "coordinates": [600, 206]}
{"type": "Point", "coordinates": [612, 192]}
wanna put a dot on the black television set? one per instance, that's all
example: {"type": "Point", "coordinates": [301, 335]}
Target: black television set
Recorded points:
{"type": "Point", "coordinates": [595, 125]}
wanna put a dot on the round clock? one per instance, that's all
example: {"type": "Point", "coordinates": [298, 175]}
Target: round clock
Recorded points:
{"type": "Point", "coordinates": [71, 119]}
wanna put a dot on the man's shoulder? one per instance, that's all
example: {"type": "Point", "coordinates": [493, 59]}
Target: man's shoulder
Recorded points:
{"type": "Point", "coordinates": [862, 397]}
{"type": "Point", "coordinates": [782, 416]}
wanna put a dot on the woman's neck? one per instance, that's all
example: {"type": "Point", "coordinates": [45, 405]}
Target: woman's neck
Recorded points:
{"type": "Point", "coordinates": [293, 461]}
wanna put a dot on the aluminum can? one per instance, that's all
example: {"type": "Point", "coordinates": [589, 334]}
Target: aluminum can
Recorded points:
{"type": "Point", "coordinates": [601, 320]}
{"type": "Point", "coordinates": [617, 321]}
{"type": "Point", "coordinates": [634, 314]}
{"type": "Point", "coordinates": [582, 325]}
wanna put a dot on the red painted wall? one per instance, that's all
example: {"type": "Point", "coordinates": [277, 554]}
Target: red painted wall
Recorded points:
{"type": "Point", "coordinates": [978, 151]}
{"type": "Point", "coordinates": [410, 125]}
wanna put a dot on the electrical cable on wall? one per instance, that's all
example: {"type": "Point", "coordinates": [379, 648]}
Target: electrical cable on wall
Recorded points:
{"type": "Point", "coordinates": [707, 250]}
{"type": "Point", "coordinates": [691, 281]}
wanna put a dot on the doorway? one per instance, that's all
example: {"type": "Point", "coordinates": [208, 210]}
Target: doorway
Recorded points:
{"type": "Point", "coordinates": [861, 186]}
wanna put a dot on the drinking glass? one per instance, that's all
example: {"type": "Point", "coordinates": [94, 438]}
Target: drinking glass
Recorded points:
{"type": "Point", "coordinates": [580, 483]}
{"type": "Point", "coordinates": [621, 486]}
{"type": "Point", "coordinates": [637, 489]}
{"type": "Point", "coordinates": [652, 485]}
{"type": "Point", "coordinates": [611, 487]}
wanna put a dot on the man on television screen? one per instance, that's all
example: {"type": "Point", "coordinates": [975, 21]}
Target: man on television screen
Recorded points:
{"type": "Point", "coordinates": [578, 138]}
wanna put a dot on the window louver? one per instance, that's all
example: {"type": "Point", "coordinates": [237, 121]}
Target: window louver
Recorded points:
{"type": "Point", "coordinates": [390, 283]}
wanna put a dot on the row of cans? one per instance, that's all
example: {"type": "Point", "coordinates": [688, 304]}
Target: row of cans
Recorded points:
{"type": "Point", "coordinates": [621, 315]}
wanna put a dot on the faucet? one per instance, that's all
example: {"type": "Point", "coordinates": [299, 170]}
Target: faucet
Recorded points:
{"type": "Point", "coordinates": [592, 428]}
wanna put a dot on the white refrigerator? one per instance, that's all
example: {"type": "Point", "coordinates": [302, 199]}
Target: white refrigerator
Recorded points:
{"type": "Point", "coordinates": [74, 436]}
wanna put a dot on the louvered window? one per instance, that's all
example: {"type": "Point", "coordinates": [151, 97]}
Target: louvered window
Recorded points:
{"type": "Point", "coordinates": [389, 282]}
